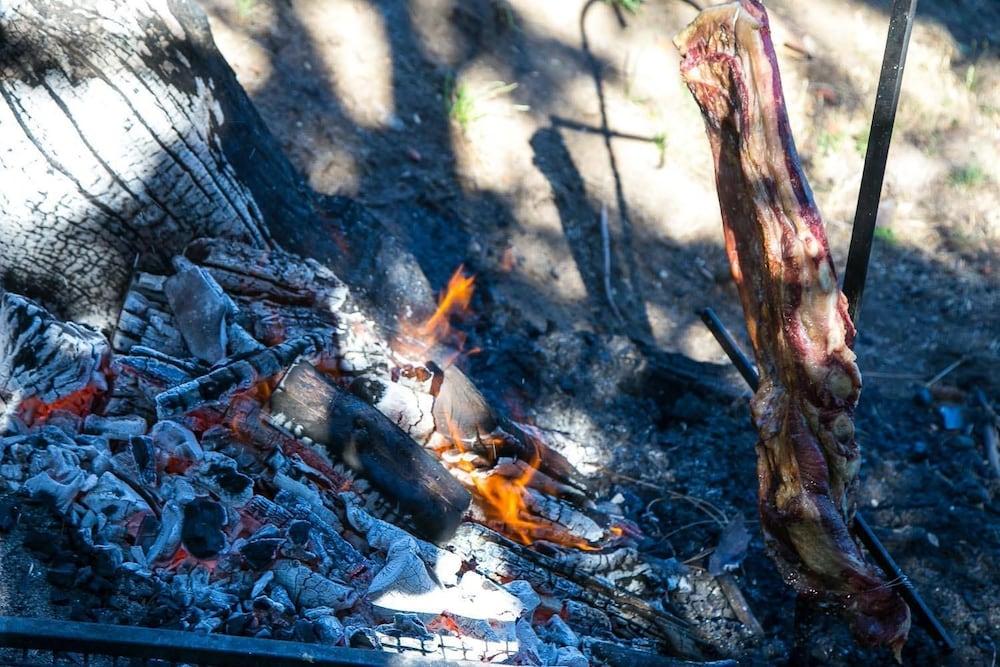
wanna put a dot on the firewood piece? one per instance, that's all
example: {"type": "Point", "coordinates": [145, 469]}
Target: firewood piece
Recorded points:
{"type": "Point", "coordinates": [221, 384]}
{"type": "Point", "coordinates": [201, 308]}
{"type": "Point", "coordinates": [461, 411]}
{"type": "Point", "coordinates": [738, 603]}
{"type": "Point", "coordinates": [797, 318]}
{"type": "Point", "coordinates": [538, 480]}
{"type": "Point", "coordinates": [309, 405]}
{"type": "Point", "coordinates": [408, 409]}
{"type": "Point", "coordinates": [269, 274]}
{"type": "Point", "coordinates": [146, 319]}
{"type": "Point", "coordinates": [501, 560]}
{"type": "Point", "coordinates": [44, 360]}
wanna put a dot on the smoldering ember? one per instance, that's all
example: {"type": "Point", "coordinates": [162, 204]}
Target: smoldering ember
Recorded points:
{"type": "Point", "coordinates": [230, 405]}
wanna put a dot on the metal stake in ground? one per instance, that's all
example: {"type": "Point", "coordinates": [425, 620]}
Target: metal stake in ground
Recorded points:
{"type": "Point", "coordinates": [879, 138]}
{"type": "Point", "coordinates": [860, 527]}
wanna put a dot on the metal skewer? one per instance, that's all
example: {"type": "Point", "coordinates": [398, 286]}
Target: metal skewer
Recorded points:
{"type": "Point", "coordinates": [879, 138]}
{"type": "Point", "coordinates": [861, 529]}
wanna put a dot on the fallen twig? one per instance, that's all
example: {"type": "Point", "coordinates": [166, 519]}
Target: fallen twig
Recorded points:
{"type": "Point", "coordinates": [991, 437]}
{"type": "Point", "coordinates": [606, 245]}
{"type": "Point", "coordinates": [738, 603]}
{"type": "Point", "coordinates": [948, 369]}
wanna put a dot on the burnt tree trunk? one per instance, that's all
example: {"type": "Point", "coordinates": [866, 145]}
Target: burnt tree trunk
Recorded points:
{"type": "Point", "coordinates": [124, 135]}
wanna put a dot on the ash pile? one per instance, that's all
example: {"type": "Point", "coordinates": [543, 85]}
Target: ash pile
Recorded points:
{"type": "Point", "coordinates": [250, 453]}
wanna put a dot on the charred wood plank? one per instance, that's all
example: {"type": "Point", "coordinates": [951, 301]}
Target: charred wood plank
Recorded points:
{"type": "Point", "coordinates": [223, 383]}
{"type": "Point", "coordinates": [350, 430]}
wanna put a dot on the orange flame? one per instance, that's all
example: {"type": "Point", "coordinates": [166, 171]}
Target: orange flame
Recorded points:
{"type": "Point", "coordinates": [453, 302]}
{"type": "Point", "coordinates": [503, 501]}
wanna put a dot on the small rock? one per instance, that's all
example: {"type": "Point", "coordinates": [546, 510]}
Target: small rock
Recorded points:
{"type": "Point", "coordinates": [923, 397]}
{"type": "Point", "coordinates": [732, 548]}
{"type": "Point", "coordinates": [952, 418]}
{"type": "Point", "coordinates": [10, 511]}
{"type": "Point", "coordinates": [362, 637]}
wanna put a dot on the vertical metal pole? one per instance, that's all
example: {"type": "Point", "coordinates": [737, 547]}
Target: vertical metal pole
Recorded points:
{"type": "Point", "coordinates": [879, 138]}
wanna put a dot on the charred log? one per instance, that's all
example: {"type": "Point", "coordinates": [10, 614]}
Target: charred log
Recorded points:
{"type": "Point", "coordinates": [310, 406]}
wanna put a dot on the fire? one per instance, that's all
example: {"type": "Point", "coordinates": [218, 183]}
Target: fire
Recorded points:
{"type": "Point", "coordinates": [453, 302]}
{"type": "Point", "coordinates": [503, 500]}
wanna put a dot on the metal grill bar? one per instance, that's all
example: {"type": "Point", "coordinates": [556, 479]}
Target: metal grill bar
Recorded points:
{"type": "Point", "coordinates": [188, 647]}
{"type": "Point", "coordinates": [879, 138]}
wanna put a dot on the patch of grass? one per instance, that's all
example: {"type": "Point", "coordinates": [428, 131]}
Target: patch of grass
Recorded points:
{"type": "Point", "coordinates": [660, 141]}
{"type": "Point", "coordinates": [460, 104]}
{"type": "Point", "coordinates": [886, 235]}
{"type": "Point", "coordinates": [244, 7]}
{"type": "Point", "coordinates": [464, 106]}
{"type": "Point", "coordinates": [861, 142]}
{"type": "Point", "coordinates": [967, 176]}
{"type": "Point", "coordinates": [631, 6]}
{"type": "Point", "coordinates": [828, 142]}
{"type": "Point", "coordinates": [970, 77]}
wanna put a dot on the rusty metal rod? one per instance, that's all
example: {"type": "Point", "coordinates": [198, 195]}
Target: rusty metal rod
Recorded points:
{"type": "Point", "coordinates": [861, 529]}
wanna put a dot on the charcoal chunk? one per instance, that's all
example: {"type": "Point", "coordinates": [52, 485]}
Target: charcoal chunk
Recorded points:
{"type": "Point", "coordinates": [201, 532]}
{"type": "Point", "coordinates": [62, 575]}
{"type": "Point", "coordinates": [10, 511]}
{"type": "Point", "coordinates": [260, 554]}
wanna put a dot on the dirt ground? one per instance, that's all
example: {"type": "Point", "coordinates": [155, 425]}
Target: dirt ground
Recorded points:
{"type": "Point", "coordinates": [495, 132]}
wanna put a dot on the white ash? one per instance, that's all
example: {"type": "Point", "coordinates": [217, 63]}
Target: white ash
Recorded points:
{"type": "Point", "coordinates": [297, 548]}
{"type": "Point", "coordinates": [116, 428]}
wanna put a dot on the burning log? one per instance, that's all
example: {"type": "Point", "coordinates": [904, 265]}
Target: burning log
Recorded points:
{"type": "Point", "coordinates": [797, 318]}
{"type": "Point", "coordinates": [312, 407]}
{"type": "Point", "coordinates": [46, 365]}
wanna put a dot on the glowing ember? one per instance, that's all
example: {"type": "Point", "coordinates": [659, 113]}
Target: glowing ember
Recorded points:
{"type": "Point", "coordinates": [80, 402]}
